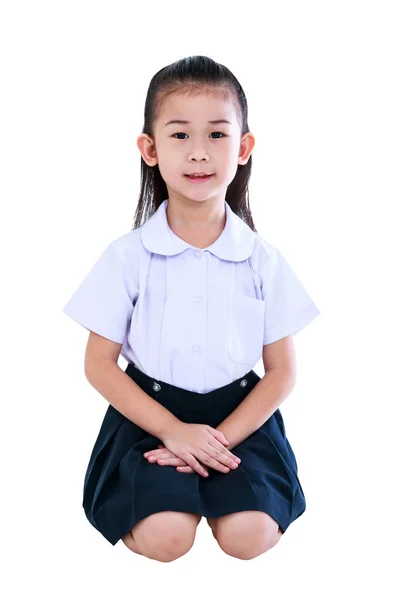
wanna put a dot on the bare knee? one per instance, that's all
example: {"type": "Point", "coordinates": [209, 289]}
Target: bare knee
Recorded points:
{"type": "Point", "coordinates": [247, 537]}
{"type": "Point", "coordinates": [165, 536]}
{"type": "Point", "coordinates": [169, 546]}
{"type": "Point", "coordinates": [247, 548]}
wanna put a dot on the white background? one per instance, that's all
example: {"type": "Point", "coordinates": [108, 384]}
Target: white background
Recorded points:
{"type": "Point", "coordinates": [322, 84]}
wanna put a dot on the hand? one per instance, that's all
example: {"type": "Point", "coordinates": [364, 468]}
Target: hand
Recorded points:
{"type": "Point", "coordinates": [191, 441]}
{"type": "Point", "coordinates": [165, 457]}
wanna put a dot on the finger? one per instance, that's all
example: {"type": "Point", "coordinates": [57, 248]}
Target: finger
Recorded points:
{"type": "Point", "coordinates": [185, 469]}
{"type": "Point", "coordinates": [223, 455]}
{"type": "Point", "coordinates": [158, 453]}
{"type": "Point", "coordinates": [149, 452]}
{"type": "Point", "coordinates": [170, 460]}
{"type": "Point", "coordinates": [196, 466]}
{"type": "Point", "coordinates": [220, 462]}
{"type": "Point", "coordinates": [217, 434]}
{"type": "Point", "coordinates": [174, 460]}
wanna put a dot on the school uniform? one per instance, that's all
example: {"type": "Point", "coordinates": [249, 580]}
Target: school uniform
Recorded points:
{"type": "Point", "coordinates": [192, 324]}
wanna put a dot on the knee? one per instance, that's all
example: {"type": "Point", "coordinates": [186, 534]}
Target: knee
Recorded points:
{"type": "Point", "coordinates": [166, 536]}
{"type": "Point", "coordinates": [169, 546]}
{"type": "Point", "coordinates": [247, 544]}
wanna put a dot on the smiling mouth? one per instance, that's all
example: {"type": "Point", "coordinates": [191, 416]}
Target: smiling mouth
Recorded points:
{"type": "Point", "coordinates": [199, 177]}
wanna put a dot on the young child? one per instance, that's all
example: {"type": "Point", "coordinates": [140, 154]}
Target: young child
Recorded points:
{"type": "Point", "coordinates": [192, 298]}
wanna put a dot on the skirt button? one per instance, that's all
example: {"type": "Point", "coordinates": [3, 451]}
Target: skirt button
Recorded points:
{"type": "Point", "coordinates": [243, 383]}
{"type": "Point", "coordinates": [156, 386]}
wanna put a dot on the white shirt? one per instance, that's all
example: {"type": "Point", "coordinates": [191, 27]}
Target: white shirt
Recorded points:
{"type": "Point", "coordinates": [196, 319]}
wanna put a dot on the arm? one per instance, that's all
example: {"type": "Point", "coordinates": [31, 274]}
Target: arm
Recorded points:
{"type": "Point", "coordinates": [269, 393]}
{"type": "Point", "coordinates": [105, 375]}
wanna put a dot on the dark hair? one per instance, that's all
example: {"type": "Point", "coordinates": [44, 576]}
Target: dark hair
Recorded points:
{"type": "Point", "coordinates": [196, 74]}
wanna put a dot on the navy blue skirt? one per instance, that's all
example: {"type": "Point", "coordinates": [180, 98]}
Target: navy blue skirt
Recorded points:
{"type": "Point", "coordinates": [121, 487]}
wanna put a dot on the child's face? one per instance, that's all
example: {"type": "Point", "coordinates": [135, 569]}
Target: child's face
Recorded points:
{"type": "Point", "coordinates": [198, 147]}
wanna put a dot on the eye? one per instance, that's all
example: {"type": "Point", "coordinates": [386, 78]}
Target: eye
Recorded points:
{"type": "Point", "coordinates": [182, 133]}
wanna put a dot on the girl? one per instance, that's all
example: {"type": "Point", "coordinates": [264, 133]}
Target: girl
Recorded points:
{"type": "Point", "coordinates": [192, 298]}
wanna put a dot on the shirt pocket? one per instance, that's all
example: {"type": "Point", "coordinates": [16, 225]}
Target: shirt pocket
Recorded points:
{"type": "Point", "coordinates": [245, 328]}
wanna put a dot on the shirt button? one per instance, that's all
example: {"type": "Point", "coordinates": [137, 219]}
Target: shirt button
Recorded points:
{"type": "Point", "coordinates": [198, 253]}
{"type": "Point", "coordinates": [197, 298]}
{"type": "Point", "coordinates": [195, 349]}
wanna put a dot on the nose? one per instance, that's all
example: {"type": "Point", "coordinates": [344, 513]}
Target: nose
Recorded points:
{"type": "Point", "coordinates": [198, 154]}
{"type": "Point", "coordinates": [198, 157]}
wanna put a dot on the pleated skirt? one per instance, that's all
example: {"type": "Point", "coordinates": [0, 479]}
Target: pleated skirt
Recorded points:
{"type": "Point", "coordinates": [121, 487]}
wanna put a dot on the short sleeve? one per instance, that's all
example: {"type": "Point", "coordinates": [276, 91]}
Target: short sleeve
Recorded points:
{"type": "Point", "coordinates": [104, 301]}
{"type": "Point", "coordinates": [288, 306]}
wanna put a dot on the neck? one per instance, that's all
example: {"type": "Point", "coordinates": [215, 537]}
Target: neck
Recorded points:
{"type": "Point", "coordinates": [196, 215]}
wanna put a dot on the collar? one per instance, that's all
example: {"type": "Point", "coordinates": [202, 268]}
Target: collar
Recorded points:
{"type": "Point", "coordinates": [235, 243]}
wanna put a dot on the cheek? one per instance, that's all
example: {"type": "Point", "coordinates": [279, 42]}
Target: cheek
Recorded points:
{"type": "Point", "coordinates": [168, 168]}
{"type": "Point", "coordinates": [228, 166]}
{"type": "Point", "coordinates": [169, 161]}
{"type": "Point", "coordinates": [228, 159]}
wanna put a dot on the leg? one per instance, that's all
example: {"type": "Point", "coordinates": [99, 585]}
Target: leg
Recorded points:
{"type": "Point", "coordinates": [163, 536]}
{"type": "Point", "coordinates": [130, 542]}
{"type": "Point", "coordinates": [213, 524]}
{"type": "Point", "coordinates": [246, 534]}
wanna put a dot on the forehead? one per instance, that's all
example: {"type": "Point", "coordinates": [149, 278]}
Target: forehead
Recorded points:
{"type": "Point", "coordinates": [197, 108]}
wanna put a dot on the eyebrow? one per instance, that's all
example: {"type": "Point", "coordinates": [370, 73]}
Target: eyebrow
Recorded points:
{"type": "Point", "coordinates": [182, 122]}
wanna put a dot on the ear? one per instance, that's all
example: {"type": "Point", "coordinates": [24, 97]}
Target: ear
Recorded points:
{"type": "Point", "coordinates": [246, 148]}
{"type": "Point", "coordinates": [147, 149]}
